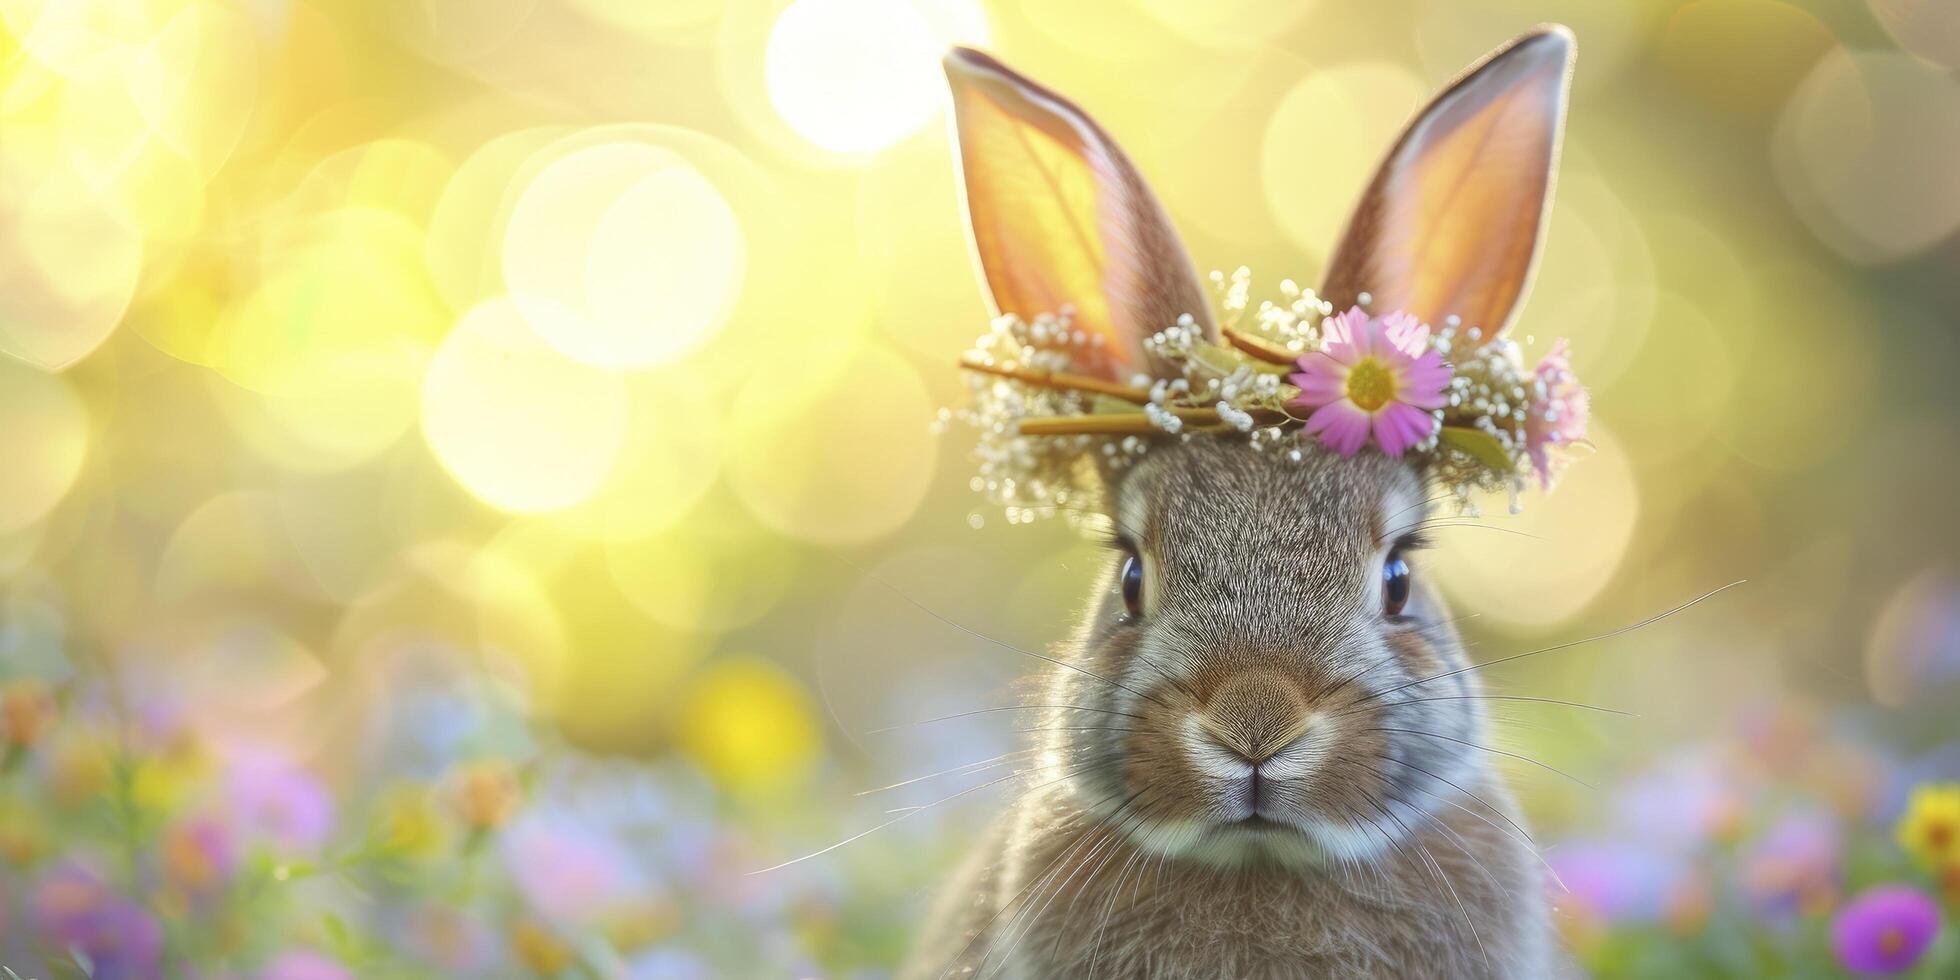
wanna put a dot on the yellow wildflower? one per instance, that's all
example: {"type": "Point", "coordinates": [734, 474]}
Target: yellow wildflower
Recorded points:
{"type": "Point", "coordinates": [23, 834]}
{"type": "Point", "coordinates": [1930, 829]}
{"type": "Point", "coordinates": [406, 823]}
{"type": "Point", "coordinates": [181, 768]}
{"type": "Point", "coordinates": [640, 923]}
{"type": "Point", "coordinates": [752, 725]}
{"type": "Point", "coordinates": [540, 949]}
{"type": "Point", "coordinates": [78, 768]}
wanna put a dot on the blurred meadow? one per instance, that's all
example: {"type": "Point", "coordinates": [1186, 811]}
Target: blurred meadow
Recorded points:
{"type": "Point", "coordinates": [468, 495]}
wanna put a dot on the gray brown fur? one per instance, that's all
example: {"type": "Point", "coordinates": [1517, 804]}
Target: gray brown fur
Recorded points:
{"type": "Point", "coordinates": [1060, 887]}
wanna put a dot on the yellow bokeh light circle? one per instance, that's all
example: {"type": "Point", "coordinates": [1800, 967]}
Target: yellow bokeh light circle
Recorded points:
{"type": "Point", "coordinates": [669, 460]}
{"type": "Point", "coordinates": [1805, 309]}
{"type": "Point", "coordinates": [1120, 35]}
{"type": "Point", "coordinates": [62, 36]}
{"type": "Point", "coordinates": [108, 122]}
{"type": "Point", "coordinates": [898, 627]}
{"type": "Point", "coordinates": [713, 572]}
{"type": "Point", "coordinates": [913, 240]}
{"type": "Point", "coordinates": [650, 18]}
{"type": "Point", "coordinates": [856, 76]}
{"type": "Point", "coordinates": [44, 428]}
{"type": "Point", "coordinates": [1596, 282]}
{"type": "Point", "coordinates": [465, 244]}
{"type": "Point", "coordinates": [250, 674]}
{"type": "Point", "coordinates": [802, 327]}
{"type": "Point", "coordinates": [1214, 195]}
{"type": "Point", "coordinates": [405, 176]}
{"type": "Point", "coordinates": [1914, 648]}
{"type": "Point", "coordinates": [795, 336]}
{"type": "Point", "coordinates": [233, 543]}
{"type": "Point", "coordinates": [1451, 35]}
{"type": "Point", "coordinates": [97, 117]}
{"type": "Point", "coordinates": [458, 31]}
{"type": "Point", "coordinates": [1576, 539]}
{"type": "Point", "coordinates": [350, 527]}
{"type": "Point", "coordinates": [751, 725]}
{"type": "Point", "coordinates": [1744, 55]}
{"type": "Point", "coordinates": [330, 348]}
{"type": "Point", "coordinates": [518, 424]}
{"type": "Point", "coordinates": [196, 82]}
{"type": "Point", "coordinates": [1927, 28]}
{"type": "Point", "coordinates": [1229, 23]}
{"type": "Point", "coordinates": [1322, 144]}
{"type": "Point", "coordinates": [69, 264]}
{"type": "Point", "coordinates": [461, 600]}
{"type": "Point", "coordinates": [1864, 150]}
{"type": "Point", "coordinates": [846, 465]}
{"type": "Point", "coordinates": [623, 255]}
{"type": "Point", "coordinates": [620, 689]}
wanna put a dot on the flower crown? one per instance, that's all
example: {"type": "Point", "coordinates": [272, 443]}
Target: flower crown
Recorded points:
{"type": "Point", "coordinates": [1293, 378]}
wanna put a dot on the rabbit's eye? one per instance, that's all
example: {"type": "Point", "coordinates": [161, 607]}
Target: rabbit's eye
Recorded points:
{"type": "Point", "coordinates": [1395, 584]}
{"type": "Point", "coordinates": [1133, 584]}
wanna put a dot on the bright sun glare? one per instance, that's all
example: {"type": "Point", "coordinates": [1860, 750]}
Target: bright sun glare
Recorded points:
{"type": "Point", "coordinates": [857, 76]}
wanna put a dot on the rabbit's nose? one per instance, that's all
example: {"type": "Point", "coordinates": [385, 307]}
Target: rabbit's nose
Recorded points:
{"type": "Point", "coordinates": [1255, 714]}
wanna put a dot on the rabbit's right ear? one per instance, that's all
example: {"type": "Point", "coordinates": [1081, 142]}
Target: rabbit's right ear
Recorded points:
{"type": "Point", "coordinates": [1060, 217]}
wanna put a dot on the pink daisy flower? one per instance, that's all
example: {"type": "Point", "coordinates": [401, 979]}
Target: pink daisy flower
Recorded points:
{"type": "Point", "coordinates": [1559, 409]}
{"type": "Point", "coordinates": [1372, 375]}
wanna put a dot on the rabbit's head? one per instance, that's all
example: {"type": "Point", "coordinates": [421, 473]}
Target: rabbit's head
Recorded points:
{"type": "Point", "coordinates": [1265, 675]}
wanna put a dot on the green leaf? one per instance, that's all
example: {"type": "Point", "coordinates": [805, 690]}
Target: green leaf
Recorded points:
{"type": "Point", "coordinates": [1111, 405]}
{"type": "Point", "coordinates": [336, 930]}
{"type": "Point", "coordinates": [1478, 445]}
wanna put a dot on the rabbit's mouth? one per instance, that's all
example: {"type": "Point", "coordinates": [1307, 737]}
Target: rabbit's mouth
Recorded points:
{"type": "Point", "coordinates": [1252, 841]}
{"type": "Point", "coordinates": [1257, 823]}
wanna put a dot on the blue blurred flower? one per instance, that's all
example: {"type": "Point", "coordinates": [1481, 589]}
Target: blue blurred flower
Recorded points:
{"type": "Point", "coordinates": [569, 870]}
{"type": "Point", "coordinates": [76, 910]}
{"type": "Point", "coordinates": [1616, 881]}
{"type": "Point", "coordinates": [1795, 868]}
{"type": "Point", "coordinates": [452, 939]}
{"type": "Point", "coordinates": [668, 963]}
{"type": "Point", "coordinates": [1689, 799]}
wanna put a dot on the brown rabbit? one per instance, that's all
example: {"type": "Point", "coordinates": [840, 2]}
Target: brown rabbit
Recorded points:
{"type": "Point", "coordinates": [1276, 764]}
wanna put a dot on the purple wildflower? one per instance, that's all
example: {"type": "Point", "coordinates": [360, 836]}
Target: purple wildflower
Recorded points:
{"type": "Point", "coordinates": [1616, 881]}
{"type": "Point", "coordinates": [1885, 930]}
{"type": "Point", "coordinates": [274, 801]}
{"type": "Point", "coordinates": [300, 964]}
{"type": "Point", "coordinates": [1795, 868]}
{"type": "Point", "coordinates": [76, 910]}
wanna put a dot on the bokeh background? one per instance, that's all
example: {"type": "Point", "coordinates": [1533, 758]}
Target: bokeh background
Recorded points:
{"type": "Point", "coordinates": [468, 496]}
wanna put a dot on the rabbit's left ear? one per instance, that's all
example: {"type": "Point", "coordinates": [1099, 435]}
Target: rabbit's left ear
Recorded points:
{"type": "Point", "coordinates": [1451, 222]}
{"type": "Point", "coordinates": [1060, 217]}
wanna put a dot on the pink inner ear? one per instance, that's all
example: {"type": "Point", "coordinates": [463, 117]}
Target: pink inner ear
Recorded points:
{"type": "Point", "coordinates": [1450, 223]}
{"type": "Point", "coordinates": [1060, 217]}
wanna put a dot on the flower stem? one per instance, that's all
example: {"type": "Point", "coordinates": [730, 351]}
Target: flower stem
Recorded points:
{"type": "Point", "coordinates": [1258, 348]}
{"type": "Point", "coordinates": [1063, 379]}
{"type": "Point", "coordinates": [1138, 423]}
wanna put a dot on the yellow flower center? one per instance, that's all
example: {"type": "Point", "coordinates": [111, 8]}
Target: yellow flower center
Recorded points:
{"type": "Point", "coordinates": [1939, 834]}
{"type": "Point", "coordinates": [1370, 384]}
